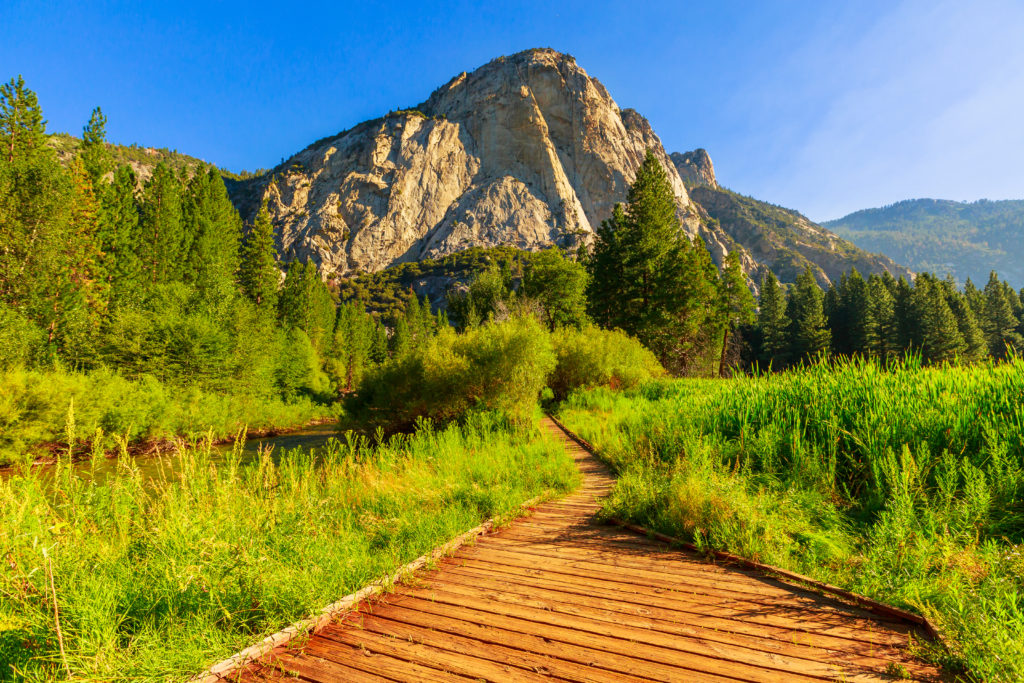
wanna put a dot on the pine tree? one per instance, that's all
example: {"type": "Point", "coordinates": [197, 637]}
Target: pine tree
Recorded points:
{"type": "Point", "coordinates": [735, 303]}
{"type": "Point", "coordinates": [835, 318]}
{"type": "Point", "coordinates": [95, 155]}
{"type": "Point", "coordinates": [808, 333]}
{"type": "Point", "coordinates": [772, 322]}
{"type": "Point", "coordinates": [883, 313]}
{"type": "Point", "coordinates": [975, 299]}
{"type": "Point", "coordinates": [940, 338]}
{"type": "Point", "coordinates": [861, 326]}
{"type": "Point", "coordinates": [306, 303]}
{"type": "Point", "coordinates": [650, 280]}
{"type": "Point", "coordinates": [999, 323]}
{"type": "Point", "coordinates": [38, 228]}
{"type": "Point", "coordinates": [908, 328]}
{"type": "Point", "coordinates": [160, 226]}
{"type": "Point", "coordinates": [214, 228]}
{"type": "Point", "coordinates": [119, 238]}
{"type": "Point", "coordinates": [22, 128]}
{"type": "Point", "coordinates": [259, 273]}
{"type": "Point", "coordinates": [975, 347]}
{"type": "Point", "coordinates": [379, 344]}
{"type": "Point", "coordinates": [353, 346]}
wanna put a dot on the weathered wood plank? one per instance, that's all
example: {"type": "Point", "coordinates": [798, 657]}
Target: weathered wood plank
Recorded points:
{"type": "Point", "coordinates": [555, 595]}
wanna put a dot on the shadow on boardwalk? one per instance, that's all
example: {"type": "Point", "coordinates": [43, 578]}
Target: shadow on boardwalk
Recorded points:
{"type": "Point", "coordinates": [558, 596]}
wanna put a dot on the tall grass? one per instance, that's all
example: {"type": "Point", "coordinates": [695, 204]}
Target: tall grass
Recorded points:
{"type": "Point", "coordinates": [35, 406]}
{"type": "Point", "coordinates": [906, 485]}
{"type": "Point", "coordinates": [160, 578]}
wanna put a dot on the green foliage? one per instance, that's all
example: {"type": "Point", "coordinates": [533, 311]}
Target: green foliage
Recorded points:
{"type": "Point", "coordinates": [34, 405]}
{"type": "Point", "coordinates": [494, 366]}
{"type": "Point", "coordinates": [22, 128]}
{"type": "Point", "coordinates": [20, 339]}
{"type": "Point", "coordinates": [589, 357]}
{"type": "Point", "coordinates": [559, 285]}
{"type": "Point", "coordinates": [964, 239]}
{"type": "Point", "coordinates": [95, 154]}
{"type": "Point", "coordinates": [771, 321]}
{"type": "Point", "coordinates": [259, 273]}
{"type": "Point", "coordinates": [159, 578]}
{"type": "Point", "coordinates": [808, 334]}
{"type": "Point", "coordinates": [903, 484]}
{"type": "Point", "coordinates": [647, 277]}
{"type": "Point", "coordinates": [306, 303]}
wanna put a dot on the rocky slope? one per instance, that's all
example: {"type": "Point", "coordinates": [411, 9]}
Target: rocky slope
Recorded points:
{"type": "Point", "coordinates": [527, 151]}
{"type": "Point", "coordinates": [695, 168]}
{"type": "Point", "coordinates": [775, 238]}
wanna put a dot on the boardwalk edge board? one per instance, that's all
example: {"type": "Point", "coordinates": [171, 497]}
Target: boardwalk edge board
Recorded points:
{"type": "Point", "coordinates": [223, 669]}
{"type": "Point", "coordinates": [860, 600]}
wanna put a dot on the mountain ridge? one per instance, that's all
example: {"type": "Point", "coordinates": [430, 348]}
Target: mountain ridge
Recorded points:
{"type": "Point", "coordinates": [964, 239]}
{"type": "Point", "coordinates": [527, 150]}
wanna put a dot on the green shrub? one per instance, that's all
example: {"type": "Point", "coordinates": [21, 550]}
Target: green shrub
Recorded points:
{"type": "Point", "coordinates": [34, 407]}
{"type": "Point", "coordinates": [19, 338]}
{"type": "Point", "coordinates": [590, 357]}
{"type": "Point", "coordinates": [497, 366]}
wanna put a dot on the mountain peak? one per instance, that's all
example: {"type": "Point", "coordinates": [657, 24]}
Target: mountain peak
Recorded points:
{"type": "Point", "coordinates": [695, 168]}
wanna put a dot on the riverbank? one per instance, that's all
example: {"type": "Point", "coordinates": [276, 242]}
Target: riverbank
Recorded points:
{"type": "Point", "coordinates": [51, 413]}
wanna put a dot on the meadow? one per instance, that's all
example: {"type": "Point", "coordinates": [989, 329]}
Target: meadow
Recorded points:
{"type": "Point", "coordinates": [904, 484]}
{"type": "Point", "coordinates": [158, 578]}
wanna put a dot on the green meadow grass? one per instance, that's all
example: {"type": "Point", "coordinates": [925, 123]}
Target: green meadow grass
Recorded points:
{"type": "Point", "coordinates": [160, 578]}
{"type": "Point", "coordinates": [903, 484]}
{"type": "Point", "coordinates": [37, 406]}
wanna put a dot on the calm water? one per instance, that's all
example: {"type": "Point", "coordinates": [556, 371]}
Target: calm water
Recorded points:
{"type": "Point", "coordinates": [308, 438]}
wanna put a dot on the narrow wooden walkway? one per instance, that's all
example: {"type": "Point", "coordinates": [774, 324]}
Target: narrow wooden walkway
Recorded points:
{"type": "Point", "coordinates": [557, 596]}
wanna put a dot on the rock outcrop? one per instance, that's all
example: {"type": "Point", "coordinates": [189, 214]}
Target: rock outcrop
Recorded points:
{"type": "Point", "coordinates": [774, 238]}
{"type": "Point", "coordinates": [695, 168]}
{"type": "Point", "coordinates": [527, 150]}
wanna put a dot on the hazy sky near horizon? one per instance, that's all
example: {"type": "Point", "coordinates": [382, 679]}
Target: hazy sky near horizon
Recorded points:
{"type": "Point", "coordinates": [824, 107]}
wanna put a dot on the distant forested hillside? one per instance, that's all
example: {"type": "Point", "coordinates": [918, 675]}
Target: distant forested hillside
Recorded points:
{"type": "Point", "coordinates": [967, 240]}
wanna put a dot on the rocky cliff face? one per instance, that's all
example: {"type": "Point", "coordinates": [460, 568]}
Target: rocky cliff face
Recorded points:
{"type": "Point", "coordinates": [695, 168]}
{"type": "Point", "coordinates": [527, 150]}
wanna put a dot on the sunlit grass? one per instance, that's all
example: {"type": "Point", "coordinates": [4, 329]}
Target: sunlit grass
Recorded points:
{"type": "Point", "coordinates": [161, 578]}
{"type": "Point", "coordinates": [906, 485]}
{"type": "Point", "coordinates": [35, 406]}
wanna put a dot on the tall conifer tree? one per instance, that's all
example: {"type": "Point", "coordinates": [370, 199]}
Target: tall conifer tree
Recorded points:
{"type": "Point", "coordinates": [808, 332]}
{"type": "Point", "coordinates": [649, 278]}
{"type": "Point", "coordinates": [259, 273]}
{"type": "Point", "coordinates": [771, 319]}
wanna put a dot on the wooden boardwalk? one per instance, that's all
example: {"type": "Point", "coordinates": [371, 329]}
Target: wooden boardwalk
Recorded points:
{"type": "Point", "coordinates": [557, 596]}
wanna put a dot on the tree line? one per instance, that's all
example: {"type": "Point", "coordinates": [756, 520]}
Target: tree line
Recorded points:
{"type": "Point", "coordinates": [160, 277]}
{"type": "Point", "coordinates": [881, 317]}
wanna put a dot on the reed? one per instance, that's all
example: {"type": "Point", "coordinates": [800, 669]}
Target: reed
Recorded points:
{"type": "Point", "coordinates": [905, 484]}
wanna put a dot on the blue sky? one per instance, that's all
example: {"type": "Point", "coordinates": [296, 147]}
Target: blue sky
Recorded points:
{"type": "Point", "coordinates": [825, 107]}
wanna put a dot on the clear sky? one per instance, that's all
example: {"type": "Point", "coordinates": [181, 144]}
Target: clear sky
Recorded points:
{"type": "Point", "coordinates": [822, 106]}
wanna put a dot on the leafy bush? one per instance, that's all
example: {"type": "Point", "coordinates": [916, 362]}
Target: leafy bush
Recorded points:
{"type": "Point", "coordinates": [497, 366]}
{"type": "Point", "coordinates": [19, 338]}
{"type": "Point", "coordinates": [590, 357]}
